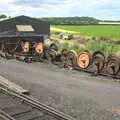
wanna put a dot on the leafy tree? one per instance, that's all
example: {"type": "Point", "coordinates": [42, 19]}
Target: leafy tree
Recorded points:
{"type": "Point", "coordinates": [71, 20]}
{"type": "Point", "coordinates": [3, 16]}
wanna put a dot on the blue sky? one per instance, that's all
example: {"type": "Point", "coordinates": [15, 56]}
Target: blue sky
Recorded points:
{"type": "Point", "coordinates": [101, 9]}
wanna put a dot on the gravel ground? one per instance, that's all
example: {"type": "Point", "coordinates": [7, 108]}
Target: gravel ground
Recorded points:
{"type": "Point", "coordinates": [78, 94]}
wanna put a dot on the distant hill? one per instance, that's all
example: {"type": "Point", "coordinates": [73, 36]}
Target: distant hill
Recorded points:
{"type": "Point", "coordinates": [71, 20]}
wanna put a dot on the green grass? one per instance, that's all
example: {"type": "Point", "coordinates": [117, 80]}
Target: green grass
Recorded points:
{"type": "Point", "coordinates": [106, 47]}
{"type": "Point", "coordinates": [110, 31]}
{"type": "Point", "coordinates": [72, 46]}
{"type": "Point", "coordinates": [92, 45]}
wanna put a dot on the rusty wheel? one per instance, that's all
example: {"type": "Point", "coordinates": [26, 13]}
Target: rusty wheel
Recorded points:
{"type": "Point", "coordinates": [63, 56]}
{"type": "Point", "coordinates": [53, 46]}
{"type": "Point", "coordinates": [98, 60]}
{"type": "Point", "coordinates": [50, 55]}
{"type": "Point", "coordinates": [71, 58]}
{"type": "Point", "coordinates": [113, 64]}
{"type": "Point", "coordinates": [53, 55]}
{"type": "Point", "coordinates": [84, 60]}
{"type": "Point", "coordinates": [64, 52]}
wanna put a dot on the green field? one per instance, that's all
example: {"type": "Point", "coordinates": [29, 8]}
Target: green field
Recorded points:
{"type": "Point", "coordinates": [110, 31]}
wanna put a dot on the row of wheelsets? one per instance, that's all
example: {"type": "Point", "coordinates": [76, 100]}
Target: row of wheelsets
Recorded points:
{"type": "Point", "coordinates": [27, 49]}
{"type": "Point", "coordinates": [96, 62]}
{"type": "Point", "coordinates": [30, 49]}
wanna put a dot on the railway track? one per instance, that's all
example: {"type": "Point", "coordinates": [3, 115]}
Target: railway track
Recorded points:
{"type": "Point", "coordinates": [98, 74]}
{"type": "Point", "coordinates": [5, 116]}
{"type": "Point", "coordinates": [16, 106]}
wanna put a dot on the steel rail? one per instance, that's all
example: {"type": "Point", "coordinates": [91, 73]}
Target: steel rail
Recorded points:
{"type": "Point", "coordinates": [5, 116]}
{"type": "Point", "coordinates": [101, 74]}
{"type": "Point", "coordinates": [38, 105]}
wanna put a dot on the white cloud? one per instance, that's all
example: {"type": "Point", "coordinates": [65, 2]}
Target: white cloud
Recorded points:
{"type": "Point", "coordinates": [104, 9]}
{"type": "Point", "coordinates": [6, 1]}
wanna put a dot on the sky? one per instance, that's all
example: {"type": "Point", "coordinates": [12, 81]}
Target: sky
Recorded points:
{"type": "Point", "coordinates": [100, 9]}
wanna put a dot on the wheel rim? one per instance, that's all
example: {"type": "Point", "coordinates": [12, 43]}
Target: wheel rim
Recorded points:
{"type": "Point", "coordinates": [26, 47]}
{"type": "Point", "coordinates": [64, 52]}
{"type": "Point", "coordinates": [99, 60]}
{"type": "Point", "coordinates": [50, 55]}
{"type": "Point", "coordinates": [113, 65]}
{"type": "Point", "coordinates": [39, 48]}
{"type": "Point", "coordinates": [53, 47]}
{"type": "Point", "coordinates": [71, 58]}
{"type": "Point", "coordinates": [83, 60]}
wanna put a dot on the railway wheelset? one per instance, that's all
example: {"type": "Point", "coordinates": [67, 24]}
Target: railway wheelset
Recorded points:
{"type": "Point", "coordinates": [96, 63]}
{"type": "Point", "coordinates": [35, 50]}
{"type": "Point", "coordinates": [24, 49]}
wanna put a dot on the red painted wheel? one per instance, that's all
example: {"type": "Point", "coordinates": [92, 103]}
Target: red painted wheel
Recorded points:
{"type": "Point", "coordinates": [26, 47]}
{"type": "Point", "coordinates": [84, 60]}
{"type": "Point", "coordinates": [39, 48]}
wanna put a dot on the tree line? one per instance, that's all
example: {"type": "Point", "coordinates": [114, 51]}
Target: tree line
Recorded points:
{"type": "Point", "coordinates": [71, 20]}
{"type": "Point", "coordinates": [68, 20]}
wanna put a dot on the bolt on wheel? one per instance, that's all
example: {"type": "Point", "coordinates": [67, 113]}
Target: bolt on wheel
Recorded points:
{"type": "Point", "coordinates": [84, 60]}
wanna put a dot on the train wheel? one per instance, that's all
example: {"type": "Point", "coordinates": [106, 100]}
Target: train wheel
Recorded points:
{"type": "Point", "coordinates": [64, 52]}
{"type": "Point", "coordinates": [84, 60]}
{"type": "Point", "coordinates": [113, 65]}
{"type": "Point", "coordinates": [53, 46]}
{"type": "Point", "coordinates": [26, 47]}
{"type": "Point", "coordinates": [50, 55]}
{"type": "Point", "coordinates": [98, 60]}
{"type": "Point", "coordinates": [39, 48]}
{"type": "Point", "coordinates": [53, 54]}
{"type": "Point", "coordinates": [47, 56]}
{"type": "Point", "coordinates": [71, 59]}
{"type": "Point", "coordinates": [63, 58]}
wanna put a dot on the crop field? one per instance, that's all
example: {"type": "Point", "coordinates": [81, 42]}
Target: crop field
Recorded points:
{"type": "Point", "coordinates": [110, 31]}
